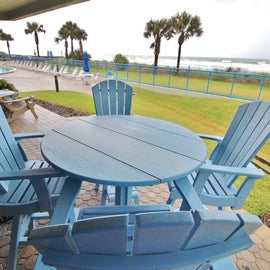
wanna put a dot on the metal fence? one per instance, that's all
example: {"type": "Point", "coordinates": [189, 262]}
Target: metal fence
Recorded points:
{"type": "Point", "coordinates": [230, 84]}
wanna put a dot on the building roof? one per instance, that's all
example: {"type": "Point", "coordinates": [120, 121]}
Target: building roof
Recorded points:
{"type": "Point", "coordinates": [19, 9]}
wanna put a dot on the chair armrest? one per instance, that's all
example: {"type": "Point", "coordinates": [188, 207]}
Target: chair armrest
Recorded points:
{"type": "Point", "coordinates": [244, 171]}
{"type": "Point", "coordinates": [211, 137]}
{"type": "Point", "coordinates": [34, 174]}
{"type": "Point", "coordinates": [217, 139]}
{"type": "Point", "coordinates": [38, 180]}
{"type": "Point", "coordinates": [22, 136]}
{"type": "Point", "coordinates": [206, 169]}
{"type": "Point", "coordinates": [18, 100]}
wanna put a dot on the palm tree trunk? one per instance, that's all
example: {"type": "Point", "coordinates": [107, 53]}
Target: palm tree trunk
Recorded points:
{"type": "Point", "coordinates": [155, 64]}
{"type": "Point", "coordinates": [66, 48]}
{"type": "Point", "coordinates": [81, 47]}
{"type": "Point", "coordinates": [181, 40]}
{"type": "Point", "coordinates": [72, 48]}
{"type": "Point", "coordinates": [37, 42]}
{"type": "Point", "coordinates": [156, 60]}
{"type": "Point", "coordinates": [179, 56]}
{"type": "Point", "coordinates": [157, 50]}
{"type": "Point", "coordinates": [37, 50]}
{"type": "Point", "coordinates": [8, 48]}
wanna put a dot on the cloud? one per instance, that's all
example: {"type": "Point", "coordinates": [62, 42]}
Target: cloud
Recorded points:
{"type": "Point", "coordinates": [237, 28]}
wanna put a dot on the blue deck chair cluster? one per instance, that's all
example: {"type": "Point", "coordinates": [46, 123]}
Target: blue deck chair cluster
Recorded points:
{"type": "Point", "coordinates": [26, 187]}
{"type": "Point", "coordinates": [113, 97]}
{"type": "Point", "coordinates": [231, 158]}
{"type": "Point", "coordinates": [146, 237]}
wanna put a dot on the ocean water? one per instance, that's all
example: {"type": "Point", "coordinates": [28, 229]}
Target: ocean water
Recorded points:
{"type": "Point", "coordinates": [203, 63]}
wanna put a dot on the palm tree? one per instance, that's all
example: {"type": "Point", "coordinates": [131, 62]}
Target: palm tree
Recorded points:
{"type": "Point", "coordinates": [34, 28]}
{"type": "Point", "coordinates": [80, 35]}
{"type": "Point", "coordinates": [186, 26]}
{"type": "Point", "coordinates": [63, 34]}
{"type": "Point", "coordinates": [71, 28]}
{"type": "Point", "coordinates": [157, 29]}
{"type": "Point", "coordinates": [1, 32]}
{"type": "Point", "coordinates": [7, 38]}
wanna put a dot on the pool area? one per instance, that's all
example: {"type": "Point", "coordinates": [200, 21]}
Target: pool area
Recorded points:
{"type": "Point", "coordinates": [4, 70]}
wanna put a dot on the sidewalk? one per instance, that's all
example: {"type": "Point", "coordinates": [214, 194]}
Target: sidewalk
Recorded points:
{"type": "Point", "coordinates": [256, 258]}
{"type": "Point", "coordinates": [26, 80]}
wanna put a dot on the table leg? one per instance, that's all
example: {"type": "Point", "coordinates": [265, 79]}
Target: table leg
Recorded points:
{"type": "Point", "coordinates": [123, 195]}
{"type": "Point", "coordinates": [65, 203]}
{"type": "Point", "coordinates": [190, 197]}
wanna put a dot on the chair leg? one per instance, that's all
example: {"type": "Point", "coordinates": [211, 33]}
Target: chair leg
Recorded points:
{"type": "Point", "coordinates": [136, 200]}
{"type": "Point", "coordinates": [96, 187]}
{"type": "Point", "coordinates": [14, 242]}
{"type": "Point", "coordinates": [34, 112]}
{"type": "Point", "coordinates": [170, 201]}
{"type": "Point", "coordinates": [104, 194]}
{"type": "Point", "coordinates": [174, 194]}
{"type": "Point", "coordinates": [31, 108]}
{"type": "Point", "coordinates": [109, 192]}
{"type": "Point", "coordinates": [135, 195]}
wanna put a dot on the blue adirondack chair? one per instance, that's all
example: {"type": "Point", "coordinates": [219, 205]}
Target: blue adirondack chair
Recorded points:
{"type": "Point", "coordinates": [146, 237]}
{"type": "Point", "coordinates": [113, 97]}
{"type": "Point", "coordinates": [231, 158]}
{"type": "Point", "coordinates": [26, 187]}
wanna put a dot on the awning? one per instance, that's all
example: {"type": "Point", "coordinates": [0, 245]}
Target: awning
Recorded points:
{"type": "Point", "coordinates": [11, 10]}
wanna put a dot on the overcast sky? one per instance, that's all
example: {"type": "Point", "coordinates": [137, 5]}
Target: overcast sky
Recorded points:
{"type": "Point", "coordinates": [232, 28]}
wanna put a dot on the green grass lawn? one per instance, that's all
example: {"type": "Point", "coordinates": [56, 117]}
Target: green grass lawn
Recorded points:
{"type": "Point", "coordinates": [202, 115]}
{"type": "Point", "coordinates": [246, 88]}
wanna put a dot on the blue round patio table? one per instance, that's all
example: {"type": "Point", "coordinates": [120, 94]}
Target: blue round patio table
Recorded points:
{"type": "Point", "coordinates": [125, 151]}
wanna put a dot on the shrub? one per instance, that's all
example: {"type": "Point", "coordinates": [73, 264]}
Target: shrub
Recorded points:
{"type": "Point", "coordinates": [76, 55]}
{"type": "Point", "coordinates": [120, 59]}
{"type": "Point", "coordinates": [6, 85]}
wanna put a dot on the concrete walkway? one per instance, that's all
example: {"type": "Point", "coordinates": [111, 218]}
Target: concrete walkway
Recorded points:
{"type": "Point", "coordinates": [26, 80]}
{"type": "Point", "coordinates": [255, 258]}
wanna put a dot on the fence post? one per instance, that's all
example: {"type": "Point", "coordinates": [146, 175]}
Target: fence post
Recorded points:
{"type": "Point", "coordinates": [188, 77]}
{"type": "Point", "coordinates": [208, 82]}
{"type": "Point", "coordinates": [261, 87]}
{"type": "Point", "coordinates": [233, 81]}
{"type": "Point", "coordinates": [169, 79]}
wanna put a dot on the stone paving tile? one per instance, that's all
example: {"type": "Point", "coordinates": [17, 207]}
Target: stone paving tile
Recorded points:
{"type": "Point", "coordinates": [255, 258]}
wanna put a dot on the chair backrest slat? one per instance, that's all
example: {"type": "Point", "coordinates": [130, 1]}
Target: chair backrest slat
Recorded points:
{"type": "Point", "coordinates": [104, 98]}
{"type": "Point", "coordinates": [129, 93]}
{"type": "Point", "coordinates": [106, 235]}
{"type": "Point", "coordinates": [174, 227]}
{"type": "Point", "coordinates": [56, 237]}
{"type": "Point", "coordinates": [212, 227]}
{"type": "Point", "coordinates": [121, 98]}
{"type": "Point", "coordinates": [111, 94]}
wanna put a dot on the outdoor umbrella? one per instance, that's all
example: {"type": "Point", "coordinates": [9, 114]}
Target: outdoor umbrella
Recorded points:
{"type": "Point", "coordinates": [86, 67]}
